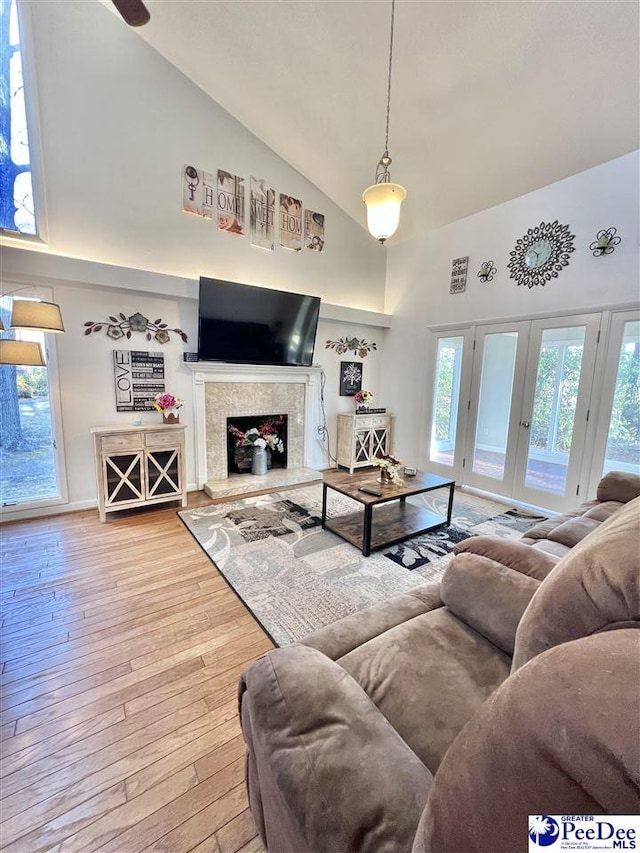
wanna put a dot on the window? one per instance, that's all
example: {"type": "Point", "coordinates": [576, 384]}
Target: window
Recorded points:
{"type": "Point", "coordinates": [31, 455]}
{"type": "Point", "coordinates": [17, 207]}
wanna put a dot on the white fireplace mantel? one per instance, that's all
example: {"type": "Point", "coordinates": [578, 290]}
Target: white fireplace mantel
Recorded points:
{"type": "Point", "coordinates": [205, 372]}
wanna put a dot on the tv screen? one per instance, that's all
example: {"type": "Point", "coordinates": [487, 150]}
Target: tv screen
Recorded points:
{"type": "Point", "coordinates": [254, 325]}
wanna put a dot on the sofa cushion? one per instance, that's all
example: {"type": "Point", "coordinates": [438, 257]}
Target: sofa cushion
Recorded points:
{"type": "Point", "coordinates": [561, 736]}
{"type": "Point", "coordinates": [332, 773]}
{"type": "Point", "coordinates": [428, 676]}
{"type": "Point", "coordinates": [544, 528]}
{"type": "Point", "coordinates": [618, 486]}
{"type": "Point", "coordinates": [573, 531]}
{"type": "Point", "coordinates": [604, 510]}
{"type": "Point", "coordinates": [594, 588]}
{"type": "Point", "coordinates": [512, 553]}
{"type": "Point", "coordinates": [552, 549]}
{"type": "Point", "coordinates": [488, 596]}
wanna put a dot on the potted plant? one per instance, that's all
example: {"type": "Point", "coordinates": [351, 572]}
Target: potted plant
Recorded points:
{"type": "Point", "coordinates": [390, 469]}
{"type": "Point", "coordinates": [169, 406]}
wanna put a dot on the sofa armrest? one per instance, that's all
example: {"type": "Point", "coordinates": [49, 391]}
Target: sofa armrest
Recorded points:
{"type": "Point", "coordinates": [512, 553]}
{"type": "Point", "coordinates": [341, 637]}
{"type": "Point", "coordinates": [490, 597]}
{"type": "Point", "coordinates": [618, 486]}
{"type": "Point", "coordinates": [326, 771]}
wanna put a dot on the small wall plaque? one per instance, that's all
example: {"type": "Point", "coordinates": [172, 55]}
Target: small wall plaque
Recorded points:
{"type": "Point", "coordinates": [459, 268]}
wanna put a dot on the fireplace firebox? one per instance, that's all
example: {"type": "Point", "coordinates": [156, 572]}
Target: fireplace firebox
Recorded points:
{"type": "Point", "coordinates": [243, 430]}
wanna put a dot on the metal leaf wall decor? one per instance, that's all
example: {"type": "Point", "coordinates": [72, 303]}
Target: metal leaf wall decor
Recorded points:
{"type": "Point", "coordinates": [122, 327]}
{"type": "Point", "coordinates": [359, 346]}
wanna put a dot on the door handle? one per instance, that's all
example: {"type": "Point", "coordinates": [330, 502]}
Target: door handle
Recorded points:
{"type": "Point", "coordinates": [525, 424]}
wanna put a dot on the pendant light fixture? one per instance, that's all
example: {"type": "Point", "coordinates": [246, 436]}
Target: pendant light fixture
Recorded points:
{"type": "Point", "coordinates": [384, 198]}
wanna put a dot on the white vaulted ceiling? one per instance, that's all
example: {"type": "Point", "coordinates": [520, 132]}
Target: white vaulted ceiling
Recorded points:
{"type": "Point", "coordinates": [490, 100]}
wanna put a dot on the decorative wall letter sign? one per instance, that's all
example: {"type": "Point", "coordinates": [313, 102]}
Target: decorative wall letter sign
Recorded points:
{"type": "Point", "coordinates": [139, 376]}
{"type": "Point", "coordinates": [230, 203]}
{"type": "Point", "coordinates": [290, 222]}
{"type": "Point", "coordinates": [262, 214]}
{"type": "Point", "coordinates": [198, 192]}
{"type": "Point", "coordinates": [459, 275]}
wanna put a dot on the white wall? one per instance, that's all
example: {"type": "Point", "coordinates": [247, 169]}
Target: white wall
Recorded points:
{"type": "Point", "coordinates": [419, 271]}
{"type": "Point", "coordinates": [118, 123]}
{"type": "Point", "coordinates": [85, 362]}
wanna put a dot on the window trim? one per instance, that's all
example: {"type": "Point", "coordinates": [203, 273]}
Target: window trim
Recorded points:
{"type": "Point", "coordinates": [32, 109]}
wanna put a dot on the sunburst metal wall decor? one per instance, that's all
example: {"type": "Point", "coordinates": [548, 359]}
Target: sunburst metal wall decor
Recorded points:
{"type": "Point", "coordinates": [541, 254]}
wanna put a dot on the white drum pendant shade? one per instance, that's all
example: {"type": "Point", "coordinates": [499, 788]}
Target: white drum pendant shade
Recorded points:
{"type": "Point", "coordinates": [383, 203]}
{"type": "Point", "coordinates": [37, 316]}
{"type": "Point", "coordinates": [21, 353]}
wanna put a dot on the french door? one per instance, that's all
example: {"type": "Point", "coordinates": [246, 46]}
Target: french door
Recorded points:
{"type": "Point", "coordinates": [520, 416]}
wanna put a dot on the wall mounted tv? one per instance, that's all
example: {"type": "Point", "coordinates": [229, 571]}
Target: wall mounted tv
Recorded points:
{"type": "Point", "coordinates": [254, 325]}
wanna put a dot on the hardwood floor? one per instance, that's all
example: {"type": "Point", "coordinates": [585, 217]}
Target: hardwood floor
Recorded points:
{"type": "Point", "coordinates": [121, 650]}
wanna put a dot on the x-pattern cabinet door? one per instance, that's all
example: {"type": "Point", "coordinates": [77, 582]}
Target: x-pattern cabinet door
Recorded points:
{"type": "Point", "coordinates": [123, 478]}
{"type": "Point", "coordinates": [163, 472]}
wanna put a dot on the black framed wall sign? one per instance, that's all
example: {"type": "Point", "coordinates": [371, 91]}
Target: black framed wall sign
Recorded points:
{"type": "Point", "coordinates": [350, 378]}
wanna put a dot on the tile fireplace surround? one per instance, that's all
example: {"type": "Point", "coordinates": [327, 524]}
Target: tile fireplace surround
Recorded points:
{"type": "Point", "coordinates": [224, 391]}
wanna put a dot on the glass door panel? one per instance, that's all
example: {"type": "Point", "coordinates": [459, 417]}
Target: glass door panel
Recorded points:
{"type": "Point", "coordinates": [554, 408]}
{"type": "Point", "coordinates": [29, 461]}
{"type": "Point", "coordinates": [554, 413]}
{"type": "Point", "coordinates": [622, 451]}
{"type": "Point", "coordinates": [494, 404]}
{"type": "Point", "coordinates": [446, 394]}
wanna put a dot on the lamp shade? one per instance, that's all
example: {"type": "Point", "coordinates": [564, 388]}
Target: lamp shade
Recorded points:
{"type": "Point", "coordinates": [383, 208]}
{"type": "Point", "coordinates": [21, 353]}
{"type": "Point", "coordinates": [38, 316]}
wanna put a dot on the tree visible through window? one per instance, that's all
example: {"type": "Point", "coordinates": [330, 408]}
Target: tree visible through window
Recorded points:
{"type": "Point", "coordinates": [17, 209]}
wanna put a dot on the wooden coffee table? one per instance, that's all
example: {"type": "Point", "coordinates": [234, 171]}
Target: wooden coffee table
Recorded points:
{"type": "Point", "coordinates": [395, 519]}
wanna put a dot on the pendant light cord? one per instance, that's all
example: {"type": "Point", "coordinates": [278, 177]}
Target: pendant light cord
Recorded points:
{"type": "Point", "coordinates": [386, 138]}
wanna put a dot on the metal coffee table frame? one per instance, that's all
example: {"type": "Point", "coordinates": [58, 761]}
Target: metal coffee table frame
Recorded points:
{"type": "Point", "coordinates": [395, 519]}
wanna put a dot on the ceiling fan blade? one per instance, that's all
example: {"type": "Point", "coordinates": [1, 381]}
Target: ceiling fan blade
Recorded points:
{"type": "Point", "coordinates": [134, 12]}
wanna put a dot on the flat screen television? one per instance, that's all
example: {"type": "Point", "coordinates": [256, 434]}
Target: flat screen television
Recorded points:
{"type": "Point", "coordinates": [254, 325]}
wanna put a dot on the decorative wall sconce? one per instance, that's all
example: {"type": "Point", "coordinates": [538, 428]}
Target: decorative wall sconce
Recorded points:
{"type": "Point", "coordinates": [605, 242]}
{"type": "Point", "coordinates": [487, 271]}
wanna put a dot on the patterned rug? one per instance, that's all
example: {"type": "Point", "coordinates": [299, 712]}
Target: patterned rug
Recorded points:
{"type": "Point", "coordinates": [296, 577]}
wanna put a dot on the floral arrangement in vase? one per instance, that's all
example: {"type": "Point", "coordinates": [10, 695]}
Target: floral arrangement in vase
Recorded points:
{"type": "Point", "coordinates": [265, 435]}
{"type": "Point", "coordinates": [363, 398]}
{"type": "Point", "coordinates": [169, 406]}
{"type": "Point", "coordinates": [390, 468]}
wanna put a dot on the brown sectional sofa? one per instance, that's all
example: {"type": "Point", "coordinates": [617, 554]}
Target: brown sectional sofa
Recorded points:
{"type": "Point", "coordinates": [439, 720]}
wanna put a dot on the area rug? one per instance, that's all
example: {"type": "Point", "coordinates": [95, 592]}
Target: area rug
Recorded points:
{"type": "Point", "coordinates": [296, 577]}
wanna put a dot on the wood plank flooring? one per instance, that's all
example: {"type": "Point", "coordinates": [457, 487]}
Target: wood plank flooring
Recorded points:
{"type": "Point", "coordinates": [121, 650]}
